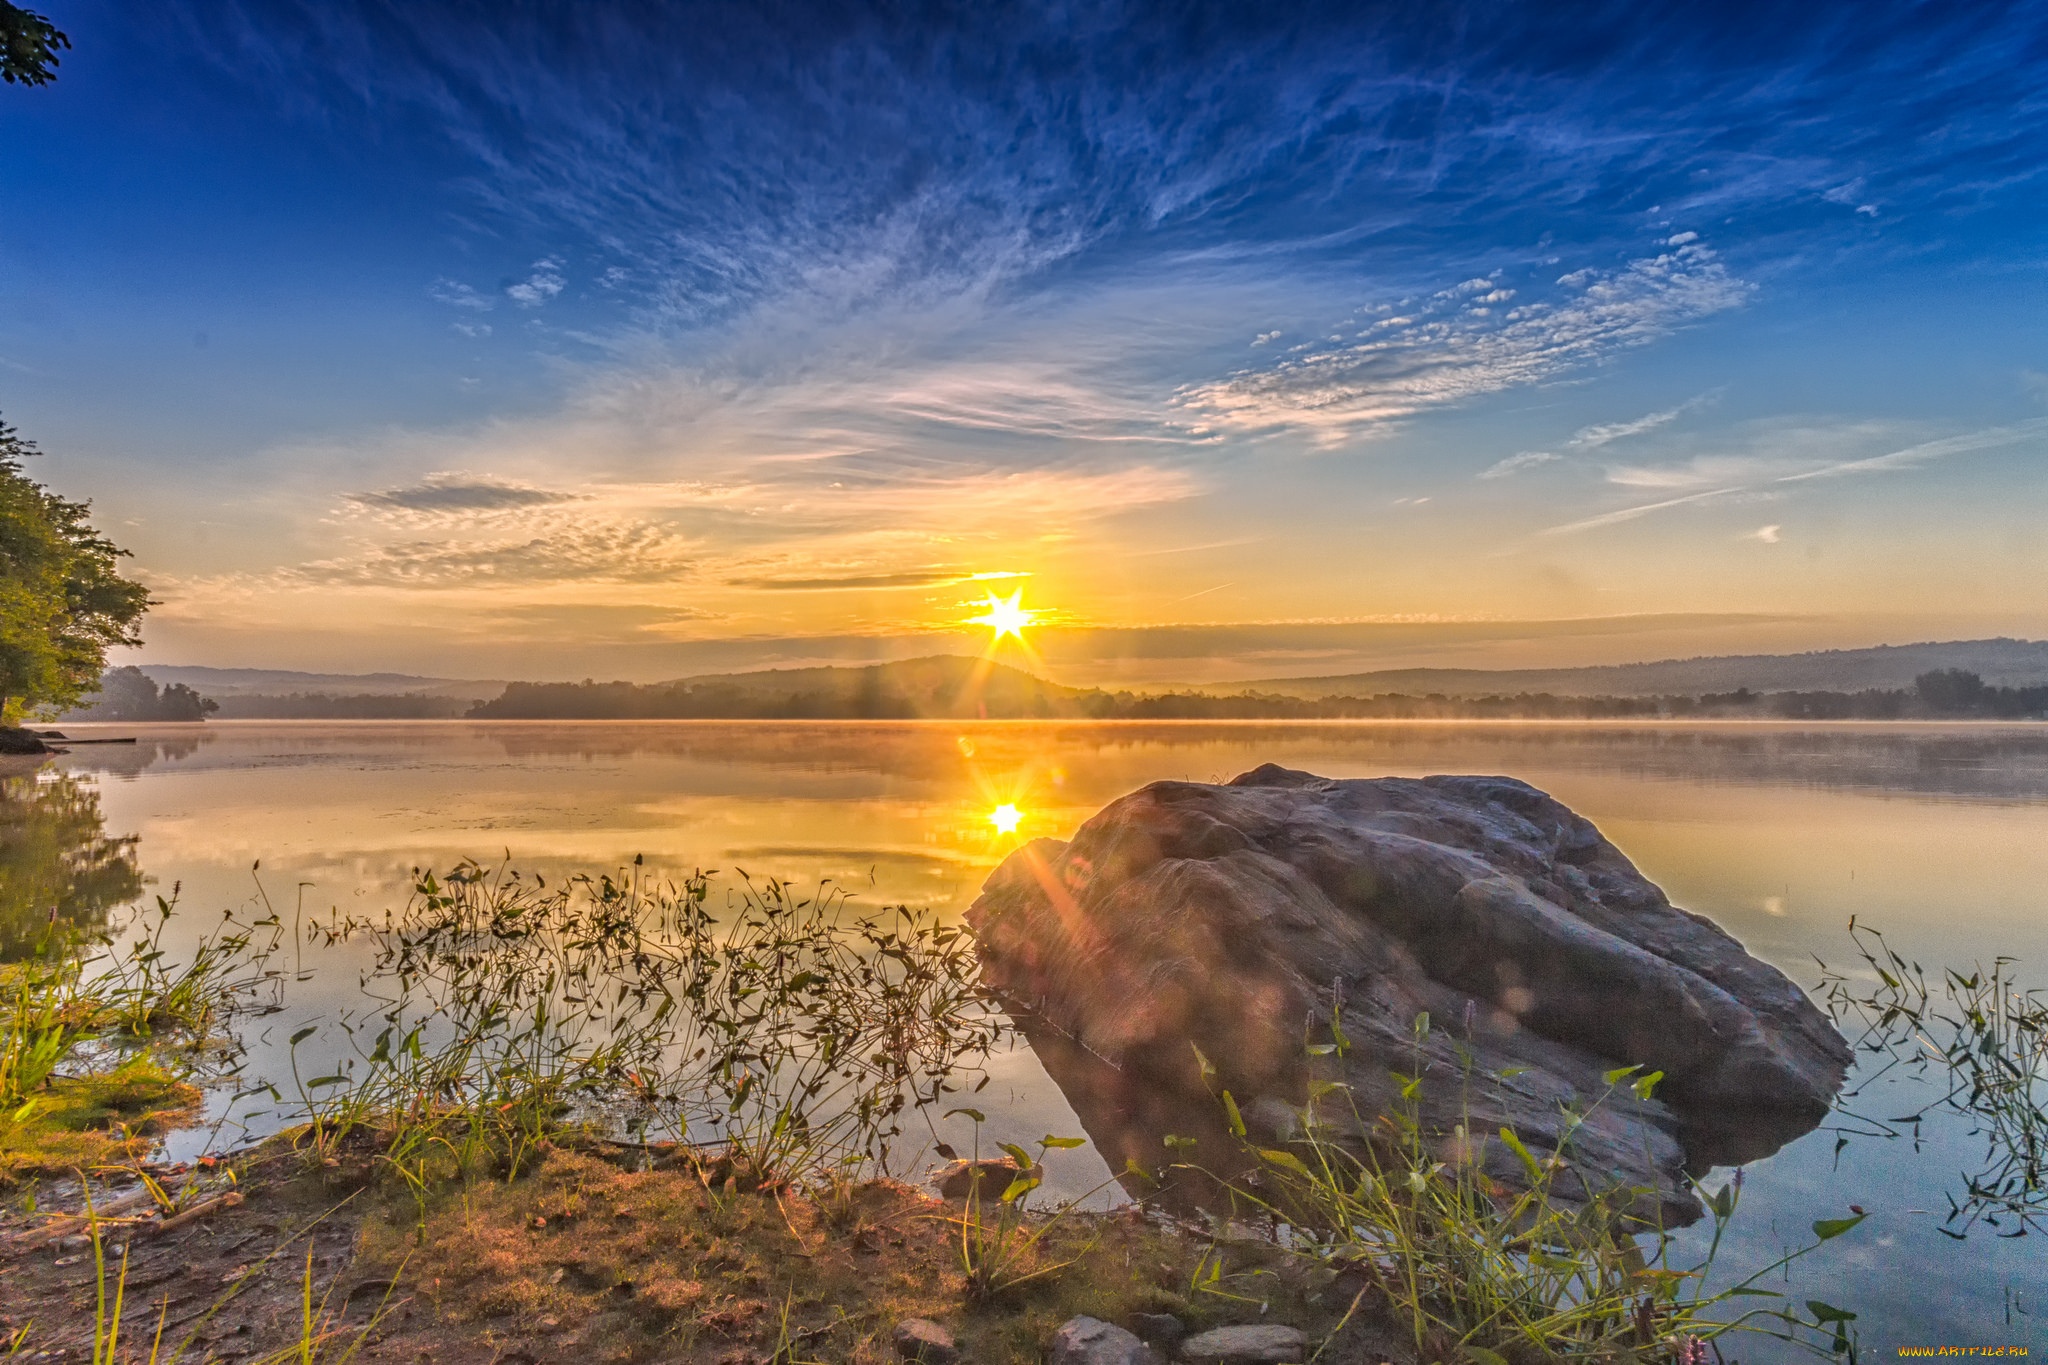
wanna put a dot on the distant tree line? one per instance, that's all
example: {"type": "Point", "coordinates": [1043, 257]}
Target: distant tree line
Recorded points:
{"type": "Point", "coordinates": [1944, 695]}
{"type": "Point", "coordinates": [355, 706]}
{"type": "Point", "coordinates": [130, 694]}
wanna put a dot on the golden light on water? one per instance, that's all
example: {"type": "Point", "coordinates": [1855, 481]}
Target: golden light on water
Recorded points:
{"type": "Point", "coordinates": [1005, 616]}
{"type": "Point", "coordinates": [1005, 818]}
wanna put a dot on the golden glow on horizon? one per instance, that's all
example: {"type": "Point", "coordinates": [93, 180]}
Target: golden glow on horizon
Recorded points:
{"type": "Point", "coordinates": [1005, 616]}
{"type": "Point", "coordinates": [1005, 818]}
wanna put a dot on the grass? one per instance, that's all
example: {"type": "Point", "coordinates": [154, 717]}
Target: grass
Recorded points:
{"type": "Point", "coordinates": [583, 1258]}
{"type": "Point", "coordinates": [97, 1048]}
{"type": "Point", "coordinates": [1470, 1267]}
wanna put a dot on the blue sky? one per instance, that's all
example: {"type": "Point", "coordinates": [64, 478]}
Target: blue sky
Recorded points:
{"type": "Point", "coordinates": [553, 340]}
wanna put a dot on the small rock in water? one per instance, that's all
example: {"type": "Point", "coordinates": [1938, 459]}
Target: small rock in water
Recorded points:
{"type": "Point", "coordinates": [925, 1342]}
{"type": "Point", "coordinates": [994, 1175]}
{"type": "Point", "coordinates": [1163, 1330]}
{"type": "Point", "coordinates": [1091, 1341]}
{"type": "Point", "coordinates": [1264, 1344]}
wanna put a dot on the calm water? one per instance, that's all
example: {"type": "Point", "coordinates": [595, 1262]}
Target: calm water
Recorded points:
{"type": "Point", "coordinates": [1936, 834]}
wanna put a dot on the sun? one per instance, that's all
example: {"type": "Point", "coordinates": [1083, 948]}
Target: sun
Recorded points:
{"type": "Point", "coordinates": [1005, 818]}
{"type": "Point", "coordinates": [1005, 616]}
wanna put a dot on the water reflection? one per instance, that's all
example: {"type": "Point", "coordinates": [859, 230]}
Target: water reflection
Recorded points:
{"type": "Point", "coordinates": [60, 872]}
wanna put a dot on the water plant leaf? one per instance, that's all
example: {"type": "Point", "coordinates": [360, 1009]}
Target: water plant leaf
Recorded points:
{"type": "Point", "coordinates": [1050, 1141]}
{"type": "Point", "coordinates": [974, 1114]}
{"type": "Point", "coordinates": [1620, 1074]}
{"type": "Point", "coordinates": [1644, 1085]}
{"type": "Point", "coordinates": [1827, 1229]}
{"type": "Point", "coordinates": [1237, 1127]}
{"type": "Point", "coordinates": [1823, 1313]}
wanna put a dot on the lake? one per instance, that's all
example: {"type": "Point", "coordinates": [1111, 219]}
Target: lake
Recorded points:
{"type": "Point", "coordinates": [1935, 834]}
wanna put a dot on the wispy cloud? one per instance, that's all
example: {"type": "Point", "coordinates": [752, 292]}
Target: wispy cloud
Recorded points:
{"type": "Point", "coordinates": [583, 554]}
{"type": "Point", "coordinates": [1763, 473]}
{"type": "Point", "coordinates": [1517, 462]}
{"type": "Point", "coordinates": [1593, 437]}
{"type": "Point", "coordinates": [1460, 343]}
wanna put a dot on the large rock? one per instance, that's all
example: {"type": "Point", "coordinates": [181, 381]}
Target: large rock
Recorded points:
{"type": "Point", "coordinates": [1241, 918]}
{"type": "Point", "coordinates": [1258, 1344]}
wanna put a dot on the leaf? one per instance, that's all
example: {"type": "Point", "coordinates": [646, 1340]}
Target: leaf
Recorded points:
{"type": "Point", "coordinates": [974, 1114]}
{"type": "Point", "coordinates": [1827, 1229]}
{"type": "Point", "coordinates": [1722, 1201]}
{"type": "Point", "coordinates": [1827, 1313]}
{"type": "Point", "coordinates": [1485, 1357]}
{"type": "Point", "coordinates": [1208, 1068]}
{"type": "Point", "coordinates": [1645, 1084]}
{"type": "Point", "coordinates": [1236, 1119]}
{"type": "Point", "coordinates": [318, 1082]}
{"type": "Point", "coordinates": [303, 1034]}
{"type": "Point", "coordinates": [1285, 1160]}
{"type": "Point", "coordinates": [1019, 1158]}
{"type": "Point", "coordinates": [945, 1149]}
{"type": "Point", "coordinates": [1527, 1158]}
{"type": "Point", "coordinates": [1620, 1074]}
{"type": "Point", "coordinates": [1021, 1186]}
{"type": "Point", "coordinates": [1050, 1141]}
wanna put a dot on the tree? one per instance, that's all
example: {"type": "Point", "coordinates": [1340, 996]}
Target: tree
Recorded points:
{"type": "Point", "coordinates": [130, 694]}
{"type": "Point", "coordinates": [28, 46]}
{"type": "Point", "coordinates": [62, 605]}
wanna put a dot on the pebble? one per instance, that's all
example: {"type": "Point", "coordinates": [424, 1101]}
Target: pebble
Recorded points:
{"type": "Point", "coordinates": [1263, 1344]}
{"type": "Point", "coordinates": [925, 1342]}
{"type": "Point", "coordinates": [1163, 1330]}
{"type": "Point", "coordinates": [1091, 1341]}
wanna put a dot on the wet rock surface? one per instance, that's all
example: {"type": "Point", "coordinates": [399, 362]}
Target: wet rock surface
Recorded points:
{"type": "Point", "coordinates": [1241, 918]}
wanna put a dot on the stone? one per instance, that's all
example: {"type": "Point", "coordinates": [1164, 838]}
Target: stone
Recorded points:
{"type": "Point", "coordinates": [1260, 1344]}
{"type": "Point", "coordinates": [994, 1174]}
{"type": "Point", "coordinates": [925, 1342]}
{"type": "Point", "coordinates": [1242, 918]}
{"type": "Point", "coordinates": [1091, 1341]}
{"type": "Point", "coordinates": [1163, 1330]}
{"type": "Point", "coordinates": [14, 740]}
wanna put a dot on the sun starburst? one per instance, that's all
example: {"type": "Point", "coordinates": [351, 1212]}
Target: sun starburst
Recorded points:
{"type": "Point", "coordinates": [1005, 616]}
{"type": "Point", "coordinates": [1006, 818]}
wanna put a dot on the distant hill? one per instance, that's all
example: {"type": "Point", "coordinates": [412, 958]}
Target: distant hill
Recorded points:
{"type": "Point", "coordinates": [945, 686]}
{"type": "Point", "coordinates": [232, 682]}
{"type": "Point", "coordinates": [2000, 662]}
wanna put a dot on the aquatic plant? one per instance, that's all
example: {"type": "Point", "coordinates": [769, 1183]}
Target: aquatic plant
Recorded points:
{"type": "Point", "coordinates": [1984, 1042]}
{"type": "Point", "coordinates": [1544, 1268]}
{"type": "Point", "coordinates": [787, 1031]}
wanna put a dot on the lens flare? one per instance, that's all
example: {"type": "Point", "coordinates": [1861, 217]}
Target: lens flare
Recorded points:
{"type": "Point", "coordinates": [1005, 616]}
{"type": "Point", "coordinates": [1005, 818]}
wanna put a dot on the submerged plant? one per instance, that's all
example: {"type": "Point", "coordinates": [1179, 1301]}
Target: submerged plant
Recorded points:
{"type": "Point", "coordinates": [1545, 1268]}
{"type": "Point", "coordinates": [1985, 1042]}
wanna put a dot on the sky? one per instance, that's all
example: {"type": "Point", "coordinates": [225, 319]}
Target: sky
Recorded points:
{"type": "Point", "coordinates": [599, 339]}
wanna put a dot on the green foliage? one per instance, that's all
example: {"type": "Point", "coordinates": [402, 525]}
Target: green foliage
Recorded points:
{"type": "Point", "coordinates": [62, 604]}
{"type": "Point", "coordinates": [1474, 1267]}
{"type": "Point", "coordinates": [28, 46]}
{"type": "Point", "coordinates": [790, 1031]}
{"type": "Point", "coordinates": [60, 873]}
